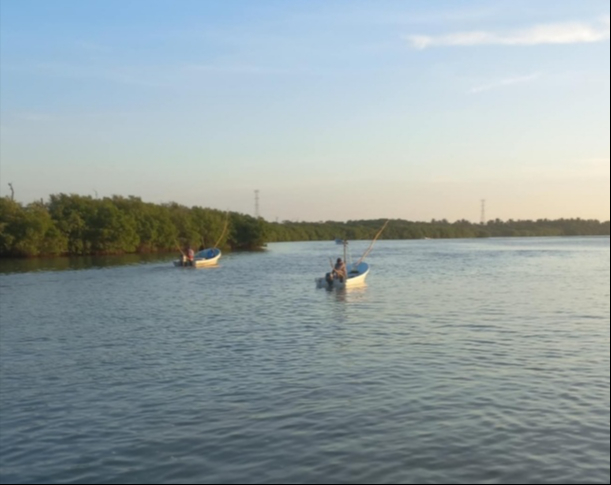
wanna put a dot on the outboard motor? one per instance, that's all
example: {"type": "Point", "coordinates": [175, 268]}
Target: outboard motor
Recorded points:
{"type": "Point", "coordinates": [329, 279]}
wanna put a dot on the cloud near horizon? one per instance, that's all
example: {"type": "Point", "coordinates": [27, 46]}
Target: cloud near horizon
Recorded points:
{"type": "Point", "coordinates": [505, 82]}
{"type": "Point", "coordinates": [545, 34]}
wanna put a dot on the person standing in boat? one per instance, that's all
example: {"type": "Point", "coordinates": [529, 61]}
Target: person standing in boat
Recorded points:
{"type": "Point", "coordinates": [339, 270]}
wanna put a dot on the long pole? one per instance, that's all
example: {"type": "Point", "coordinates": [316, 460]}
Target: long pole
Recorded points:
{"type": "Point", "coordinates": [216, 245]}
{"type": "Point", "coordinates": [184, 256]}
{"type": "Point", "coordinates": [372, 243]}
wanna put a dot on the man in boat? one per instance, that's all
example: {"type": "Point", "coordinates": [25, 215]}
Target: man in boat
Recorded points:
{"type": "Point", "coordinates": [187, 256]}
{"type": "Point", "coordinates": [339, 270]}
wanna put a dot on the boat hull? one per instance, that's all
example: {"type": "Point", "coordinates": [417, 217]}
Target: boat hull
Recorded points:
{"type": "Point", "coordinates": [204, 258]}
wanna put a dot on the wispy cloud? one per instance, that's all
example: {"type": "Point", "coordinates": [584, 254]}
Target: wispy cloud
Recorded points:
{"type": "Point", "coordinates": [505, 82]}
{"type": "Point", "coordinates": [141, 76]}
{"type": "Point", "coordinates": [232, 69]}
{"type": "Point", "coordinates": [372, 15]}
{"type": "Point", "coordinates": [134, 76]}
{"type": "Point", "coordinates": [561, 33]}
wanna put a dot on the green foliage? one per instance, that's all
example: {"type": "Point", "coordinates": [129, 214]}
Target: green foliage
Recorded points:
{"type": "Point", "coordinates": [401, 229]}
{"type": "Point", "coordinates": [71, 214]}
{"type": "Point", "coordinates": [152, 223]}
{"type": "Point", "coordinates": [28, 231]}
{"type": "Point", "coordinates": [247, 232]}
{"type": "Point", "coordinates": [111, 231]}
{"type": "Point", "coordinates": [81, 225]}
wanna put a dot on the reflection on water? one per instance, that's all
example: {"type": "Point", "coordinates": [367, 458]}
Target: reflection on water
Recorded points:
{"type": "Point", "coordinates": [30, 265]}
{"type": "Point", "coordinates": [352, 294]}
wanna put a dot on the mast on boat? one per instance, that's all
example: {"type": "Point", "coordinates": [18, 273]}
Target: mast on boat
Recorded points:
{"type": "Point", "coordinates": [346, 259]}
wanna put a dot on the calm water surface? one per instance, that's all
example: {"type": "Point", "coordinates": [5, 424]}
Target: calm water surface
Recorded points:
{"type": "Point", "coordinates": [480, 361]}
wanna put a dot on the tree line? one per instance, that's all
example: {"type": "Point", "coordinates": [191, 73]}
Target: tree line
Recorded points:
{"type": "Point", "coordinates": [442, 229]}
{"type": "Point", "coordinates": [83, 225]}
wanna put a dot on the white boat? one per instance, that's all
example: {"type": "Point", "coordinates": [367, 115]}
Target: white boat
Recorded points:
{"type": "Point", "coordinates": [203, 258]}
{"type": "Point", "coordinates": [356, 277]}
{"type": "Point", "coordinates": [356, 272]}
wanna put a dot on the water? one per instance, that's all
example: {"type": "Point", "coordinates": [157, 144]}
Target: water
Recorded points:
{"type": "Point", "coordinates": [473, 361]}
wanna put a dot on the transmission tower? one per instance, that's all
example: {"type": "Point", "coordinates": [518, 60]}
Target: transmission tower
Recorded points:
{"type": "Point", "coordinates": [483, 217]}
{"type": "Point", "coordinates": [257, 204]}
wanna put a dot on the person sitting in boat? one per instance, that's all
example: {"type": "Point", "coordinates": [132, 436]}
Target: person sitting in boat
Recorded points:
{"type": "Point", "coordinates": [190, 255]}
{"type": "Point", "coordinates": [183, 256]}
{"type": "Point", "coordinates": [339, 270]}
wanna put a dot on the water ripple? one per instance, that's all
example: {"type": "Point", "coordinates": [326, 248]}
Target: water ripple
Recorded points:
{"type": "Point", "coordinates": [459, 362]}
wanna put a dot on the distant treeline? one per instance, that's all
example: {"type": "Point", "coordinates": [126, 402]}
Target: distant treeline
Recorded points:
{"type": "Point", "coordinates": [401, 229]}
{"type": "Point", "coordinates": [83, 225]}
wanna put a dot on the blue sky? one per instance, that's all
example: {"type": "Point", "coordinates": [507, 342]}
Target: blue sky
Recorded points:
{"type": "Point", "coordinates": [334, 110]}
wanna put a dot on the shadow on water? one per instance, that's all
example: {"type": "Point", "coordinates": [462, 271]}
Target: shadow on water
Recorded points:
{"type": "Point", "coordinates": [8, 266]}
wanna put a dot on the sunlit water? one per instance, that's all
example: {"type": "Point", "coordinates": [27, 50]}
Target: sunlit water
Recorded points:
{"type": "Point", "coordinates": [483, 361]}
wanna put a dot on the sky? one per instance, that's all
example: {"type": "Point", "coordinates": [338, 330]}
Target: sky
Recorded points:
{"type": "Point", "coordinates": [332, 109]}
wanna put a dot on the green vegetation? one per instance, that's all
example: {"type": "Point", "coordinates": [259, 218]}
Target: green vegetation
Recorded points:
{"type": "Point", "coordinates": [401, 229]}
{"type": "Point", "coordinates": [79, 225]}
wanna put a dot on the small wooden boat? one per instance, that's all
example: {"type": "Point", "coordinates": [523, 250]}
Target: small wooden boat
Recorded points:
{"type": "Point", "coordinates": [203, 258]}
{"type": "Point", "coordinates": [355, 277]}
{"type": "Point", "coordinates": [355, 272]}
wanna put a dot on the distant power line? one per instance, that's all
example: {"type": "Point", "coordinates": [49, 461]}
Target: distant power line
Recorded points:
{"type": "Point", "coordinates": [483, 215]}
